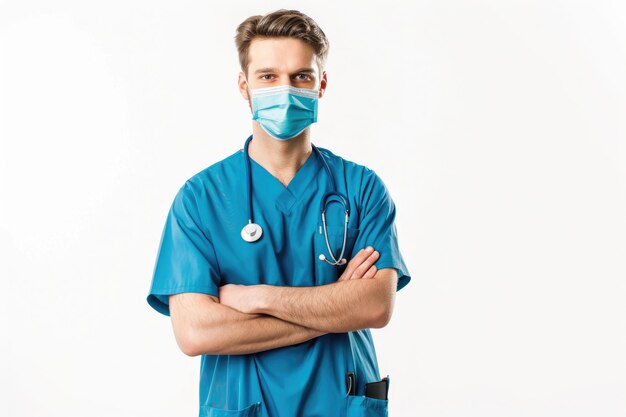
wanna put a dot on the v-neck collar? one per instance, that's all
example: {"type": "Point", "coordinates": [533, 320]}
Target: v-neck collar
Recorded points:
{"type": "Point", "coordinates": [288, 195]}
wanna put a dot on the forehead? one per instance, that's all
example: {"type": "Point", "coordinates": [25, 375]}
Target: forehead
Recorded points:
{"type": "Point", "coordinates": [280, 53]}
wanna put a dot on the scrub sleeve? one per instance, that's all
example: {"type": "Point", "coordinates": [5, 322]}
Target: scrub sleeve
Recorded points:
{"type": "Point", "coordinates": [186, 259]}
{"type": "Point", "coordinates": [377, 227]}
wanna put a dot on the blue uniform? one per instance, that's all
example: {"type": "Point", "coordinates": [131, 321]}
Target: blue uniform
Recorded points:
{"type": "Point", "coordinates": [201, 249]}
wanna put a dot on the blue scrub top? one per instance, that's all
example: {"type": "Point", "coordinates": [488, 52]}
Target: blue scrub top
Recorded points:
{"type": "Point", "coordinates": [201, 249]}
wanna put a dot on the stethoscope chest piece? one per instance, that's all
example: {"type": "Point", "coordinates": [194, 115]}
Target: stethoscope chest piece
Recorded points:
{"type": "Point", "coordinates": [251, 232]}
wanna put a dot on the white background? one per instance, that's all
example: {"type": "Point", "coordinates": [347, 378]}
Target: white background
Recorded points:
{"type": "Point", "coordinates": [498, 127]}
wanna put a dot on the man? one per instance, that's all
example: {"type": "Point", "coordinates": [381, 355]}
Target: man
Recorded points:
{"type": "Point", "coordinates": [278, 327]}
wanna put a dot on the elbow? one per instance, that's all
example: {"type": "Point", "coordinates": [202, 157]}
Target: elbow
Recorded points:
{"type": "Point", "coordinates": [190, 340]}
{"type": "Point", "coordinates": [186, 342]}
{"type": "Point", "coordinates": [190, 349]}
{"type": "Point", "coordinates": [185, 335]}
{"type": "Point", "coordinates": [195, 334]}
{"type": "Point", "coordinates": [191, 344]}
{"type": "Point", "coordinates": [383, 316]}
{"type": "Point", "coordinates": [384, 299]}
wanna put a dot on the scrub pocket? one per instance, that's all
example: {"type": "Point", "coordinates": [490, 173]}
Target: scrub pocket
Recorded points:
{"type": "Point", "coordinates": [362, 406]}
{"type": "Point", "coordinates": [326, 273]}
{"type": "Point", "coordinates": [253, 410]}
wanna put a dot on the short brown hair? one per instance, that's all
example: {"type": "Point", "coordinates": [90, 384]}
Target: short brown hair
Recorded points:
{"type": "Point", "coordinates": [280, 23]}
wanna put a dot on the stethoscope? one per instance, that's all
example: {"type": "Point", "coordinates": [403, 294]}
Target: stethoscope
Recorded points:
{"type": "Point", "coordinates": [252, 232]}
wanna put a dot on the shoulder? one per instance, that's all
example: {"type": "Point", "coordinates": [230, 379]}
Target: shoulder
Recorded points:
{"type": "Point", "coordinates": [214, 176]}
{"type": "Point", "coordinates": [361, 179]}
{"type": "Point", "coordinates": [195, 198]}
{"type": "Point", "coordinates": [365, 187]}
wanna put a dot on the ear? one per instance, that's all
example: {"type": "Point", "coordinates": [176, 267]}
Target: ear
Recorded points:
{"type": "Point", "coordinates": [243, 86]}
{"type": "Point", "coordinates": [323, 83]}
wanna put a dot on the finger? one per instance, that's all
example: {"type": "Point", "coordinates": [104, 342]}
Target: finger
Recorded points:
{"type": "Point", "coordinates": [362, 269]}
{"type": "Point", "coordinates": [356, 261]}
{"type": "Point", "coordinates": [370, 272]}
{"type": "Point", "coordinates": [367, 264]}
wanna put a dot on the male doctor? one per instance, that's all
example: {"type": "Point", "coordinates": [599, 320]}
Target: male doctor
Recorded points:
{"type": "Point", "coordinates": [278, 328]}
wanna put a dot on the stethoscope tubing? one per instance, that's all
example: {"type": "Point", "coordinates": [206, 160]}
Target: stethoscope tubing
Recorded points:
{"type": "Point", "coordinates": [323, 204]}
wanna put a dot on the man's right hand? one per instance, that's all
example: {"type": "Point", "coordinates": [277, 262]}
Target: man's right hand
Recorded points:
{"type": "Point", "coordinates": [362, 265]}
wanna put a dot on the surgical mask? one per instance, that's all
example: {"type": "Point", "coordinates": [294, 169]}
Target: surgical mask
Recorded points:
{"type": "Point", "coordinates": [284, 111]}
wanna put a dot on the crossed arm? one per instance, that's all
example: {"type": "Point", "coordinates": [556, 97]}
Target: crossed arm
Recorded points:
{"type": "Point", "coordinates": [252, 318]}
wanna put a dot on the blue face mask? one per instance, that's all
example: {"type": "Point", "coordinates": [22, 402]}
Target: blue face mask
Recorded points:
{"type": "Point", "coordinates": [284, 111]}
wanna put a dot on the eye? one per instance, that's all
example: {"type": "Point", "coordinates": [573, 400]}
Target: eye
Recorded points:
{"type": "Point", "coordinates": [306, 75]}
{"type": "Point", "coordinates": [266, 75]}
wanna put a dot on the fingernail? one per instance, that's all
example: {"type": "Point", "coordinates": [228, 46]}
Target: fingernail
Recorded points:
{"type": "Point", "coordinates": [369, 249]}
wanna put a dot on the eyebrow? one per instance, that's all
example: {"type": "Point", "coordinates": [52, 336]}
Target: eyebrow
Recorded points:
{"type": "Point", "coordinates": [299, 71]}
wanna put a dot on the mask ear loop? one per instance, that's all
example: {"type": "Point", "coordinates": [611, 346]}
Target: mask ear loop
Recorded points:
{"type": "Point", "coordinates": [249, 91]}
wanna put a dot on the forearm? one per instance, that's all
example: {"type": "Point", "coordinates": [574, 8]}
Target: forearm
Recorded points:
{"type": "Point", "coordinates": [226, 331]}
{"type": "Point", "coordinates": [341, 306]}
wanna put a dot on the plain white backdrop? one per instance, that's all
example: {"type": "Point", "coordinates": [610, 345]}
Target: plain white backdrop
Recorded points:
{"type": "Point", "coordinates": [498, 127]}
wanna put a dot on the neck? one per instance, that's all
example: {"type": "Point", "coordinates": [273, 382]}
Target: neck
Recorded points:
{"type": "Point", "coordinates": [281, 158]}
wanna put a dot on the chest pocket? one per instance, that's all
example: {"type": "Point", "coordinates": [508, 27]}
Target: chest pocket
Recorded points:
{"type": "Point", "coordinates": [325, 273]}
